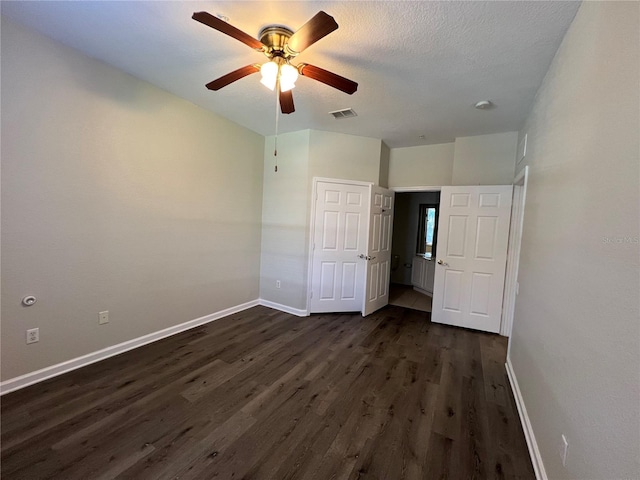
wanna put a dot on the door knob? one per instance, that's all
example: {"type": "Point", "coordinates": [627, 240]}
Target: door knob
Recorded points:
{"type": "Point", "coordinates": [442, 262]}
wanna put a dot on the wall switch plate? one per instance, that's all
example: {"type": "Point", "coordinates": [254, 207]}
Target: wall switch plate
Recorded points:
{"type": "Point", "coordinates": [564, 449]}
{"type": "Point", "coordinates": [103, 317]}
{"type": "Point", "coordinates": [33, 335]}
{"type": "Point", "coordinates": [277, 283]}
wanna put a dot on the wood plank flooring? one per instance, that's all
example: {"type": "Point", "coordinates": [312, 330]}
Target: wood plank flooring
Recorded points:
{"type": "Point", "coordinates": [266, 395]}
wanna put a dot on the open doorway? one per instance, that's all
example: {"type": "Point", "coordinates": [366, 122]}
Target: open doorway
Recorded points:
{"type": "Point", "coordinates": [413, 249]}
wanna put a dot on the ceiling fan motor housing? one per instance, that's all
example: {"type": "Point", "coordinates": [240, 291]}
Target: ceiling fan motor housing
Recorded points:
{"type": "Point", "coordinates": [276, 38]}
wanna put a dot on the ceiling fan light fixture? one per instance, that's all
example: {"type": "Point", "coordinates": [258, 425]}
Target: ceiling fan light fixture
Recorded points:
{"type": "Point", "coordinates": [269, 72]}
{"type": "Point", "coordinates": [288, 77]}
{"type": "Point", "coordinates": [279, 44]}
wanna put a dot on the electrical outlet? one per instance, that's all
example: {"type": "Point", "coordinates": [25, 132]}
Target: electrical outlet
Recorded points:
{"type": "Point", "coordinates": [33, 335]}
{"type": "Point", "coordinates": [103, 317]}
{"type": "Point", "coordinates": [564, 449]}
{"type": "Point", "coordinates": [277, 283]}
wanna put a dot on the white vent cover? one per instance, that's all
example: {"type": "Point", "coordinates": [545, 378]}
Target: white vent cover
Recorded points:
{"type": "Point", "coordinates": [344, 113]}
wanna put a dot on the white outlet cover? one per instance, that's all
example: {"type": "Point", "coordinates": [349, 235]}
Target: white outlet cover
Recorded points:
{"type": "Point", "coordinates": [33, 335]}
{"type": "Point", "coordinates": [103, 317]}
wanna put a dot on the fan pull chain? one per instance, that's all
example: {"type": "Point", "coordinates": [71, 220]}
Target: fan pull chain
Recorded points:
{"type": "Point", "coordinates": [275, 143]}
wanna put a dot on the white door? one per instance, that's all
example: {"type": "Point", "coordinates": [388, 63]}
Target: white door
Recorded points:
{"type": "Point", "coordinates": [378, 255]}
{"type": "Point", "coordinates": [339, 238]}
{"type": "Point", "coordinates": [473, 234]}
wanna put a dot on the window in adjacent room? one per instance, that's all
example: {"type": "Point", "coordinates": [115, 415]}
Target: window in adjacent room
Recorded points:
{"type": "Point", "coordinates": [427, 230]}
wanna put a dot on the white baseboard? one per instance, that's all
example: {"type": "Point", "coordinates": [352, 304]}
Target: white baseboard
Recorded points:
{"type": "Point", "coordinates": [284, 308]}
{"type": "Point", "coordinates": [75, 363]}
{"type": "Point", "coordinates": [534, 452]}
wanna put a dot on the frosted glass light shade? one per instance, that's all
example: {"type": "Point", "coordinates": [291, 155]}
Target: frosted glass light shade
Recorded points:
{"type": "Point", "coordinates": [269, 72]}
{"type": "Point", "coordinates": [288, 77]}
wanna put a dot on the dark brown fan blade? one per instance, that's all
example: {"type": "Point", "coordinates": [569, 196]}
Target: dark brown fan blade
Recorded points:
{"type": "Point", "coordinates": [328, 78]}
{"type": "Point", "coordinates": [318, 27]}
{"type": "Point", "coordinates": [224, 27]}
{"type": "Point", "coordinates": [225, 80]}
{"type": "Point", "coordinates": [286, 102]}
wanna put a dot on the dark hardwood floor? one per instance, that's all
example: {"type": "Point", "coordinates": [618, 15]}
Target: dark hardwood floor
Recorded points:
{"type": "Point", "coordinates": [266, 395]}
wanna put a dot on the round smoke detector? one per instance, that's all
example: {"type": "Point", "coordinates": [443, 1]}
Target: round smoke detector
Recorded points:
{"type": "Point", "coordinates": [484, 105]}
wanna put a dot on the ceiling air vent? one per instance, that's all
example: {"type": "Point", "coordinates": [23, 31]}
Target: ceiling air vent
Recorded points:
{"type": "Point", "coordinates": [344, 113]}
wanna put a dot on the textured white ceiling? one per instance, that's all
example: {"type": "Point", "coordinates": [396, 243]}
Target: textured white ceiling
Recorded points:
{"type": "Point", "coordinates": [421, 66]}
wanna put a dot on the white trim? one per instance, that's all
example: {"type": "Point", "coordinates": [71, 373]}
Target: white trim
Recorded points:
{"type": "Point", "coordinates": [79, 362]}
{"type": "Point", "coordinates": [415, 189]}
{"type": "Point", "coordinates": [534, 452]}
{"type": "Point", "coordinates": [513, 254]}
{"type": "Point", "coordinates": [519, 179]}
{"type": "Point", "coordinates": [339, 180]}
{"type": "Point", "coordinates": [312, 232]}
{"type": "Point", "coordinates": [283, 308]}
{"type": "Point", "coordinates": [523, 150]}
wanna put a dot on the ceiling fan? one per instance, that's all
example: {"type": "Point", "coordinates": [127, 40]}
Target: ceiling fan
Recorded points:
{"type": "Point", "coordinates": [280, 45]}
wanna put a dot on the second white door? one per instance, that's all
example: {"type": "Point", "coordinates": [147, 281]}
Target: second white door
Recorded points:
{"type": "Point", "coordinates": [378, 269]}
{"type": "Point", "coordinates": [473, 234]}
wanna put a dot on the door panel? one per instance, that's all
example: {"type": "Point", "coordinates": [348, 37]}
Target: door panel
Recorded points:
{"type": "Point", "coordinates": [486, 233]}
{"type": "Point", "coordinates": [339, 237]}
{"type": "Point", "coordinates": [480, 291]}
{"type": "Point", "coordinates": [327, 280]}
{"type": "Point", "coordinates": [373, 284]}
{"type": "Point", "coordinates": [452, 293]}
{"type": "Point", "coordinates": [469, 277]}
{"type": "Point", "coordinates": [457, 238]}
{"type": "Point", "coordinates": [352, 228]}
{"type": "Point", "coordinates": [330, 234]}
{"type": "Point", "coordinates": [384, 273]}
{"type": "Point", "coordinates": [349, 279]}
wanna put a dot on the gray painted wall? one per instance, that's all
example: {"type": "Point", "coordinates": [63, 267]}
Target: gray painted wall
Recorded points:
{"type": "Point", "coordinates": [575, 344]}
{"type": "Point", "coordinates": [477, 160]}
{"type": "Point", "coordinates": [285, 214]}
{"type": "Point", "coordinates": [287, 202]}
{"type": "Point", "coordinates": [428, 165]}
{"type": "Point", "coordinates": [485, 159]}
{"type": "Point", "coordinates": [116, 196]}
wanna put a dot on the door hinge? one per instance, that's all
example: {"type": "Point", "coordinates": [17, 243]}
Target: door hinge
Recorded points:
{"type": "Point", "coordinates": [311, 296]}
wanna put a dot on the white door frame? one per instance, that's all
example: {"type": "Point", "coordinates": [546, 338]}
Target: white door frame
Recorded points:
{"type": "Point", "coordinates": [419, 189]}
{"type": "Point", "coordinates": [415, 189]}
{"type": "Point", "coordinates": [513, 253]}
{"type": "Point", "coordinates": [312, 229]}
